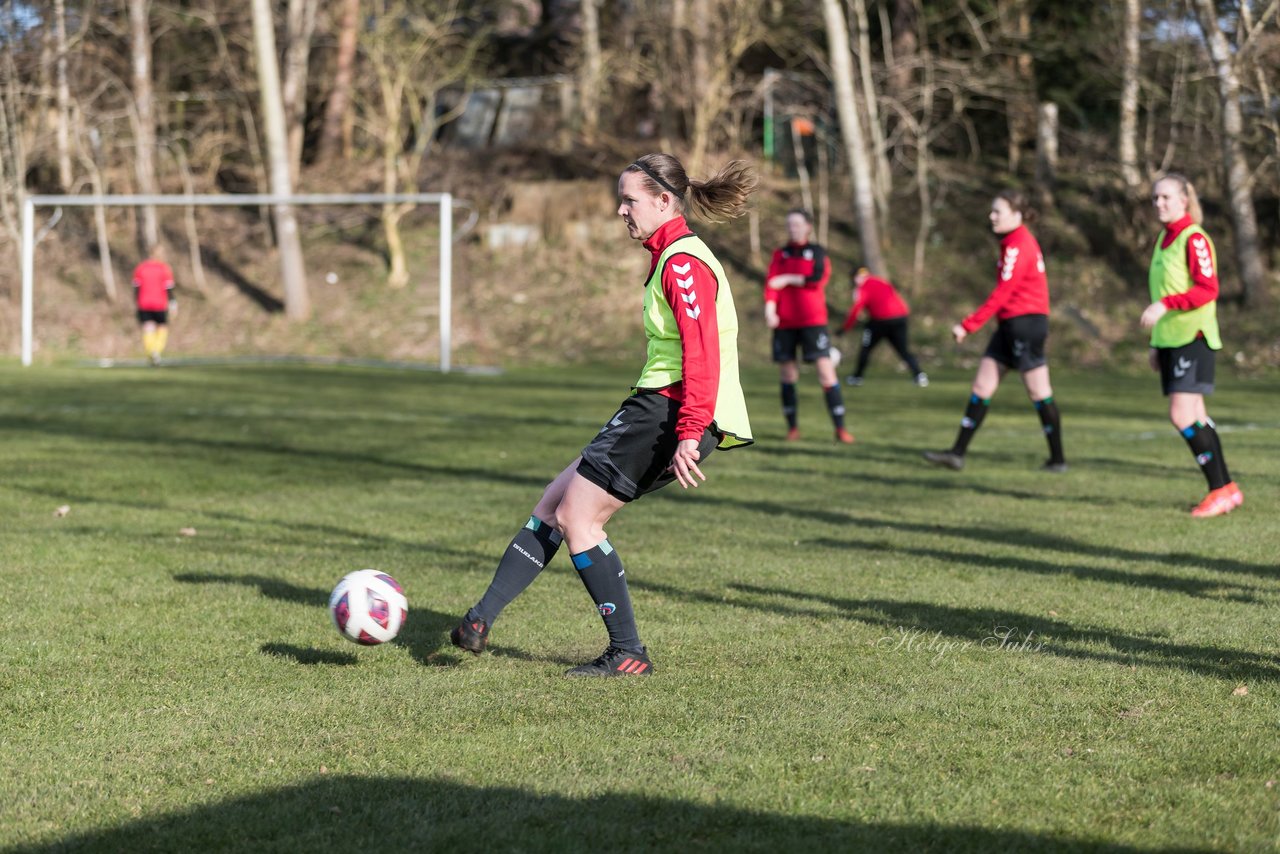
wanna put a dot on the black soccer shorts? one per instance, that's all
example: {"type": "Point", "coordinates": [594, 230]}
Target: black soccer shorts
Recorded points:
{"type": "Point", "coordinates": [631, 454]}
{"type": "Point", "coordinates": [1187, 369]}
{"type": "Point", "coordinates": [1019, 342]}
{"type": "Point", "coordinates": [813, 342]}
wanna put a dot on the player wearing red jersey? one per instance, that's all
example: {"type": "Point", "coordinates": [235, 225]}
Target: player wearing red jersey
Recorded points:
{"type": "Point", "coordinates": [687, 402]}
{"type": "Point", "coordinates": [887, 314]}
{"type": "Point", "coordinates": [1183, 319]}
{"type": "Point", "coordinates": [1020, 302]}
{"type": "Point", "coordinates": [153, 294]}
{"type": "Point", "coordinates": [795, 308]}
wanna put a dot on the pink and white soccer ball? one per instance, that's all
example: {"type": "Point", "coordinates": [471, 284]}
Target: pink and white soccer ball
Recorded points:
{"type": "Point", "coordinates": [368, 607]}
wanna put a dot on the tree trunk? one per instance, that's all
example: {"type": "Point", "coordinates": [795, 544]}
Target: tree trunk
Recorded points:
{"type": "Point", "coordinates": [875, 137]}
{"type": "Point", "coordinates": [335, 109]}
{"type": "Point", "coordinates": [851, 129]}
{"type": "Point", "coordinates": [703, 112]}
{"type": "Point", "coordinates": [905, 43]}
{"type": "Point", "coordinates": [1238, 181]}
{"type": "Point", "coordinates": [1047, 151]}
{"type": "Point", "coordinates": [300, 27]}
{"type": "Point", "coordinates": [63, 94]}
{"type": "Point", "coordinates": [90, 162]}
{"type": "Point", "coordinates": [145, 131]}
{"type": "Point", "coordinates": [1021, 106]}
{"type": "Point", "coordinates": [297, 302]}
{"type": "Point", "coordinates": [1129, 96]}
{"type": "Point", "coordinates": [592, 70]}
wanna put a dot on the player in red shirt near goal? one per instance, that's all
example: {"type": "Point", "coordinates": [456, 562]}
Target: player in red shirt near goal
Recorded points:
{"type": "Point", "coordinates": [887, 314]}
{"type": "Point", "coordinates": [153, 292]}
{"type": "Point", "coordinates": [1020, 301]}
{"type": "Point", "coordinates": [795, 308]}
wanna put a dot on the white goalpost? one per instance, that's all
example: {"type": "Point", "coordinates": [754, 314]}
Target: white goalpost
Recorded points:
{"type": "Point", "coordinates": [444, 200]}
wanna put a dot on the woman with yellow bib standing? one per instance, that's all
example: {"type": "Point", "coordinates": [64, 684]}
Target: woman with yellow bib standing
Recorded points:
{"type": "Point", "coordinates": [1183, 319]}
{"type": "Point", "coordinates": [686, 403]}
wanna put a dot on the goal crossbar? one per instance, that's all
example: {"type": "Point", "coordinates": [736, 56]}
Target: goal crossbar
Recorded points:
{"type": "Point", "coordinates": [444, 200]}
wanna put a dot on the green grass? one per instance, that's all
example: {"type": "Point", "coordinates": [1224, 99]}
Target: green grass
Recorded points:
{"type": "Point", "coordinates": [821, 619]}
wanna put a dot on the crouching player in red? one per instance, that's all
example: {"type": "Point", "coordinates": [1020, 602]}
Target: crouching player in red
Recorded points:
{"type": "Point", "coordinates": [887, 314]}
{"type": "Point", "coordinates": [795, 308]}
{"type": "Point", "coordinates": [1183, 319]}
{"type": "Point", "coordinates": [687, 402]}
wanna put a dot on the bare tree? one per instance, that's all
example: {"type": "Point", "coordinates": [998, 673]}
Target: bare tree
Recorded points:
{"type": "Point", "coordinates": [300, 26]}
{"type": "Point", "coordinates": [871, 101]}
{"type": "Point", "coordinates": [63, 94]}
{"type": "Point", "coordinates": [297, 301]}
{"type": "Point", "coordinates": [851, 128]}
{"type": "Point", "coordinates": [1129, 95]}
{"type": "Point", "coordinates": [332, 132]}
{"type": "Point", "coordinates": [1235, 166]}
{"type": "Point", "coordinates": [144, 133]}
{"type": "Point", "coordinates": [722, 31]}
{"type": "Point", "coordinates": [413, 57]}
{"type": "Point", "coordinates": [592, 72]}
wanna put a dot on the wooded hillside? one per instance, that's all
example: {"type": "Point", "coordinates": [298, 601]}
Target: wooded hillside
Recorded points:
{"type": "Point", "coordinates": [894, 120]}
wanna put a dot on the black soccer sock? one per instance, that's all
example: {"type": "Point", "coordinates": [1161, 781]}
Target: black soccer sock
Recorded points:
{"type": "Point", "coordinates": [789, 403]}
{"type": "Point", "coordinates": [973, 415]}
{"type": "Point", "coordinates": [601, 572]}
{"type": "Point", "coordinates": [530, 551]}
{"type": "Point", "coordinates": [1051, 421]}
{"type": "Point", "coordinates": [864, 355]}
{"type": "Point", "coordinates": [1207, 449]}
{"type": "Point", "coordinates": [835, 405]}
{"type": "Point", "coordinates": [1217, 448]}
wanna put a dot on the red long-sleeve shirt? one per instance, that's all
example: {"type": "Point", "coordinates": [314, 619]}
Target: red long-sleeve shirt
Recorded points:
{"type": "Point", "coordinates": [1204, 278]}
{"type": "Point", "coordinates": [694, 307]}
{"type": "Point", "coordinates": [152, 281]}
{"type": "Point", "coordinates": [881, 300]}
{"type": "Point", "coordinates": [805, 305]}
{"type": "Point", "coordinates": [1021, 286]}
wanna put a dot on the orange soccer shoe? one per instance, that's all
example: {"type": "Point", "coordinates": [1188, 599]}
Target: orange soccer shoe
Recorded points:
{"type": "Point", "coordinates": [844, 437]}
{"type": "Point", "coordinates": [793, 434]}
{"type": "Point", "coordinates": [1219, 502]}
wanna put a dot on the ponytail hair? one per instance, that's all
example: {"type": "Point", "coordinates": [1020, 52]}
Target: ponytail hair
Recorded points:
{"type": "Point", "coordinates": [1019, 202]}
{"type": "Point", "coordinates": [1188, 192]}
{"type": "Point", "coordinates": [723, 195]}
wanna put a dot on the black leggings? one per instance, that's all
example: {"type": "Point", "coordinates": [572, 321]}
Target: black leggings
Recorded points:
{"type": "Point", "coordinates": [896, 331]}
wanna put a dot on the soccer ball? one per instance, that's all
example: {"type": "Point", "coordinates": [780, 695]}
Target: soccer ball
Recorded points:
{"type": "Point", "coordinates": [368, 607]}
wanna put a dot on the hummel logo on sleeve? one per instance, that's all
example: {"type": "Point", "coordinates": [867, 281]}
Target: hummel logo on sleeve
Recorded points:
{"type": "Point", "coordinates": [1203, 257]}
{"type": "Point", "coordinates": [695, 313]}
{"type": "Point", "coordinates": [681, 269]}
{"type": "Point", "coordinates": [1010, 260]}
{"type": "Point", "coordinates": [684, 284]}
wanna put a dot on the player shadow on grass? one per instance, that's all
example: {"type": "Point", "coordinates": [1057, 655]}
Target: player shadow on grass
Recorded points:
{"type": "Point", "coordinates": [1010, 536]}
{"type": "Point", "coordinates": [333, 537]}
{"type": "Point", "coordinates": [344, 812]}
{"type": "Point", "coordinates": [978, 625]}
{"type": "Point", "coordinates": [1026, 538]}
{"type": "Point", "coordinates": [1201, 588]}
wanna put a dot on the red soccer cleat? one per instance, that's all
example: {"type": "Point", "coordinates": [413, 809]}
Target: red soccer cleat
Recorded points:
{"type": "Point", "coordinates": [793, 434]}
{"type": "Point", "coordinates": [1219, 502]}
{"type": "Point", "coordinates": [844, 436]}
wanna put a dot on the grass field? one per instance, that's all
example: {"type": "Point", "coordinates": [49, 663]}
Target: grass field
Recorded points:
{"type": "Point", "coordinates": [853, 650]}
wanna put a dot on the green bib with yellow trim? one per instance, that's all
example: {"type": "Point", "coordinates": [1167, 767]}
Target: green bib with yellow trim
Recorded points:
{"type": "Point", "coordinates": [665, 349]}
{"type": "Point", "coordinates": [1169, 275]}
